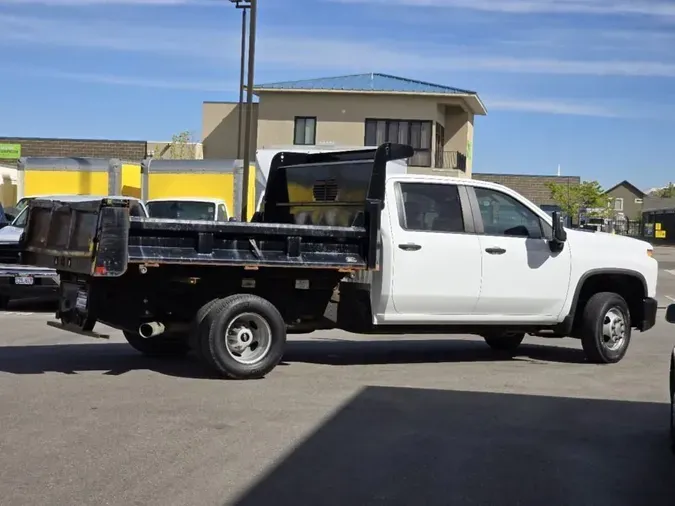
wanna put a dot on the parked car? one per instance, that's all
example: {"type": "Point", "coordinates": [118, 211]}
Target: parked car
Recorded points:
{"type": "Point", "coordinates": [5, 218]}
{"type": "Point", "coordinates": [18, 281]}
{"type": "Point", "coordinates": [189, 208]}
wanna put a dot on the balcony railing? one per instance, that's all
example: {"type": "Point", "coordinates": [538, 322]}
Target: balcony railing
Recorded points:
{"type": "Point", "coordinates": [450, 160]}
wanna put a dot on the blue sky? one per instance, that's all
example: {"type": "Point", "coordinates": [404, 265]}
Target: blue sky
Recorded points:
{"type": "Point", "coordinates": [587, 84]}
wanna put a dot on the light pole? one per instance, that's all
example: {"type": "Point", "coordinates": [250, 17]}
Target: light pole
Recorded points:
{"type": "Point", "coordinates": [253, 6]}
{"type": "Point", "coordinates": [244, 5]}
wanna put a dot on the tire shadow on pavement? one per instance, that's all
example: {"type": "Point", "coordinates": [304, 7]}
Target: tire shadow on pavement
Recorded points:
{"type": "Point", "coordinates": [405, 446]}
{"type": "Point", "coordinates": [414, 351]}
{"type": "Point", "coordinates": [113, 359]}
{"type": "Point", "coordinates": [119, 358]}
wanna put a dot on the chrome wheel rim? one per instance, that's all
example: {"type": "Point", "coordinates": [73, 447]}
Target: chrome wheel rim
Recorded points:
{"type": "Point", "coordinates": [248, 338]}
{"type": "Point", "coordinates": [614, 329]}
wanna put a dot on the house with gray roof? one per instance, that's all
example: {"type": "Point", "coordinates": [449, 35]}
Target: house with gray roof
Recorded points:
{"type": "Point", "coordinates": [356, 110]}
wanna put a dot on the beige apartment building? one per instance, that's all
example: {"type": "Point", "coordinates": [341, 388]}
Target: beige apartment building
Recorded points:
{"type": "Point", "coordinates": [357, 110]}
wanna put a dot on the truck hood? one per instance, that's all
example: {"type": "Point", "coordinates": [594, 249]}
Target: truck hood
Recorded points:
{"type": "Point", "coordinates": [605, 240]}
{"type": "Point", "coordinates": [10, 234]}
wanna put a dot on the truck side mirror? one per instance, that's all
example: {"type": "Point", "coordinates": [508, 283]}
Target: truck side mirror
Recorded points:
{"type": "Point", "coordinates": [559, 233]}
{"type": "Point", "coordinates": [670, 313]}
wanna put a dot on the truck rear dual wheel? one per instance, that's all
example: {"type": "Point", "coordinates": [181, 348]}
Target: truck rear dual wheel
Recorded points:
{"type": "Point", "coordinates": [158, 346]}
{"type": "Point", "coordinates": [605, 328]}
{"type": "Point", "coordinates": [242, 337]}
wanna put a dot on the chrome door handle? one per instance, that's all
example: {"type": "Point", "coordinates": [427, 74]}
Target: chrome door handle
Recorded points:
{"type": "Point", "coordinates": [495, 251]}
{"type": "Point", "coordinates": [410, 247]}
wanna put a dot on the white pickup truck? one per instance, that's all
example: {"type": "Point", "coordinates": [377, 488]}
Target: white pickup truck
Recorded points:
{"type": "Point", "coordinates": [468, 256]}
{"type": "Point", "coordinates": [402, 253]}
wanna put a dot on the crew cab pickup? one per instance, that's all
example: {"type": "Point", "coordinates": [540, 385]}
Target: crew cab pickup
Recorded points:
{"type": "Point", "coordinates": [401, 254]}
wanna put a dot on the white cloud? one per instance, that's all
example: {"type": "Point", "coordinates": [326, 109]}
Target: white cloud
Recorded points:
{"type": "Point", "coordinates": [85, 3]}
{"type": "Point", "coordinates": [287, 51]}
{"type": "Point", "coordinates": [592, 7]}
{"type": "Point", "coordinates": [552, 106]}
{"type": "Point", "coordinates": [132, 81]}
{"type": "Point", "coordinates": [545, 106]}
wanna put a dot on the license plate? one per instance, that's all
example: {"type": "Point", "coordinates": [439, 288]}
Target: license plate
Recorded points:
{"type": "Point", "coordinates": [23, 280]}
{"type": "Point", "coordinates": [81, 301]}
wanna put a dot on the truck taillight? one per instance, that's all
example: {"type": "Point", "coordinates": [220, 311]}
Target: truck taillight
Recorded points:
{"type": "Point", "coordinates": [650, 252]}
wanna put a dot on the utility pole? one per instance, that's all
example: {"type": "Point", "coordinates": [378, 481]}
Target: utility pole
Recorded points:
{"type": "Point", "coordinates": [243, 8]}
{"type": "Point", "coordinates": [249, 108]}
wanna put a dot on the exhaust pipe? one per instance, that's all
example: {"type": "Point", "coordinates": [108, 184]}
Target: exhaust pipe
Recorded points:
{"type": "Point", "coordinates": [151, 329]}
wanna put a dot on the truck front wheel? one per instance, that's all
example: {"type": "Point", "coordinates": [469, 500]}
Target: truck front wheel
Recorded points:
{"type": "Point", "coordinates": [246, 337]}
{"type": "Point", "coordinates": [605, 328]}
{"type": "Point", "coordinates": [158, 346]}
{"type": "Point", "coordinates": [504, 342]}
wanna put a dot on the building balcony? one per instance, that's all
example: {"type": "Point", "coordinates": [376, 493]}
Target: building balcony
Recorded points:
{"type": "Point", "coordinates": [450, 160]}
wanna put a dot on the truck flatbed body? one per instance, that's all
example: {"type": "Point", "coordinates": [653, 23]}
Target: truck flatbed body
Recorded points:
{"type": "Point", "coordinates": [302, 199]}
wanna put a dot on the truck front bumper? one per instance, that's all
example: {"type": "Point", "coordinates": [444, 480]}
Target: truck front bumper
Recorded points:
{"type": "Point", "coordinates": [649, 307]}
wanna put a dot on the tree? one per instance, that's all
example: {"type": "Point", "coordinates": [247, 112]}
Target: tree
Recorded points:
{"type": "Point", "coordinates": [665, 193]}
{"type": "Point", "coordinates": [587, 196]}
{"type": "Point", "coordinates": [181, 147]}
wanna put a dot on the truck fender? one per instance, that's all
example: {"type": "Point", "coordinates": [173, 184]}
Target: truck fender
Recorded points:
{"type": "Point", "coordinates": [595, 272]}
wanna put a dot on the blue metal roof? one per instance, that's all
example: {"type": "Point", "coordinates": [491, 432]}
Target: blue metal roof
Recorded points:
{"type": "Point", "coordinates": [365, 82]}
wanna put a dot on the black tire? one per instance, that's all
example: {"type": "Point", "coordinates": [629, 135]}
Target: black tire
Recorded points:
{"type": "Point", "coordinates": [596, 347]}
{"type": "Point", "coordinates": [158, 346]}
{"type": "Point", "coordinates": [219, 355]}
{"type": "Point", "coordinates": [4, 302]}
{"type": "Point", "coordinates": [196, 328]}
{"type": "Point", "coordinates": [504, 342]}
{"type": "Point", "coordinates": [87, 325]}
{"type": "Point", "coordinates": [672, 404]}
{"type": "Point", "coordinates": [203, 346]}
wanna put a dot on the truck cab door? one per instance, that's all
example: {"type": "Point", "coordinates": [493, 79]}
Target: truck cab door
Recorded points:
{"type": "Point", "coordinates": [436, 258]}
{"type": "Point", "coordinates": [522, 277]}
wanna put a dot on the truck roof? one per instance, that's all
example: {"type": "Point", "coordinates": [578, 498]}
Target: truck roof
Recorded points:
{"type": "Point", "coordinates": [189, 199]}
{"type": "Point", "coordinates": [79, 198]}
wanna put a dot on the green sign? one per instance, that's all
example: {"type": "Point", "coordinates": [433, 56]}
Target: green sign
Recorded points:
{"type": "Point", "coordinates": [10, 151]}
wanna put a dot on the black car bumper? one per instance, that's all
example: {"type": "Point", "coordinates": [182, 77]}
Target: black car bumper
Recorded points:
{"type": "Point", "coordinates": [20, 285]}
{"type": "Point", "coordinates": [649, 307]}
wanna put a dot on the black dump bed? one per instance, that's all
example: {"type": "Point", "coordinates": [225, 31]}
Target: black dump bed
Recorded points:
{"type": "Point", "coordinates": [321, 210]}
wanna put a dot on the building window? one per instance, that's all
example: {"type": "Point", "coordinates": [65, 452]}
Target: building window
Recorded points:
{"type": "Point", "coordinates": [638, 201]}
{"type": "Point", "coordinates": [415, 133]}
{"type": "Point", "coordinates": [304, 133]}
{"type": "Point", "coordinates": [618, 204]}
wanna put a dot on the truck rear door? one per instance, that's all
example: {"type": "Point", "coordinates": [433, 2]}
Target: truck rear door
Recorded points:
{"type": "Point", "coordinates": [436, 256]}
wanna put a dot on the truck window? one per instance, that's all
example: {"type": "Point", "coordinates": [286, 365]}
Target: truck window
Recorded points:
{"type": "Point", "coordinates": [182, 210]}
{"type": "Point", "coordinates": [431, 207]}
{"type": "Point", "coordinates": [222, 214]}
{"type": "Point", "coordinates": [135, 210]}
{"type": "Point", "coordinates": [20, 220]}
{"type": "Point", "coordinates": [504, 215]}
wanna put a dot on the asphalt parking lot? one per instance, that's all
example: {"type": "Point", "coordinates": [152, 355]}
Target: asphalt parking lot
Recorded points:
{"type": "Point", "coordinates": [345, 420]}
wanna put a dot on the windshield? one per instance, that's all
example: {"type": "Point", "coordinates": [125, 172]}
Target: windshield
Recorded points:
{"type": "Point", "coordinates": [182, 210]}
{"type": "Point", "coordinates": [20, 220]}
{"type": "Point", "coordinates": [21, 204]}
